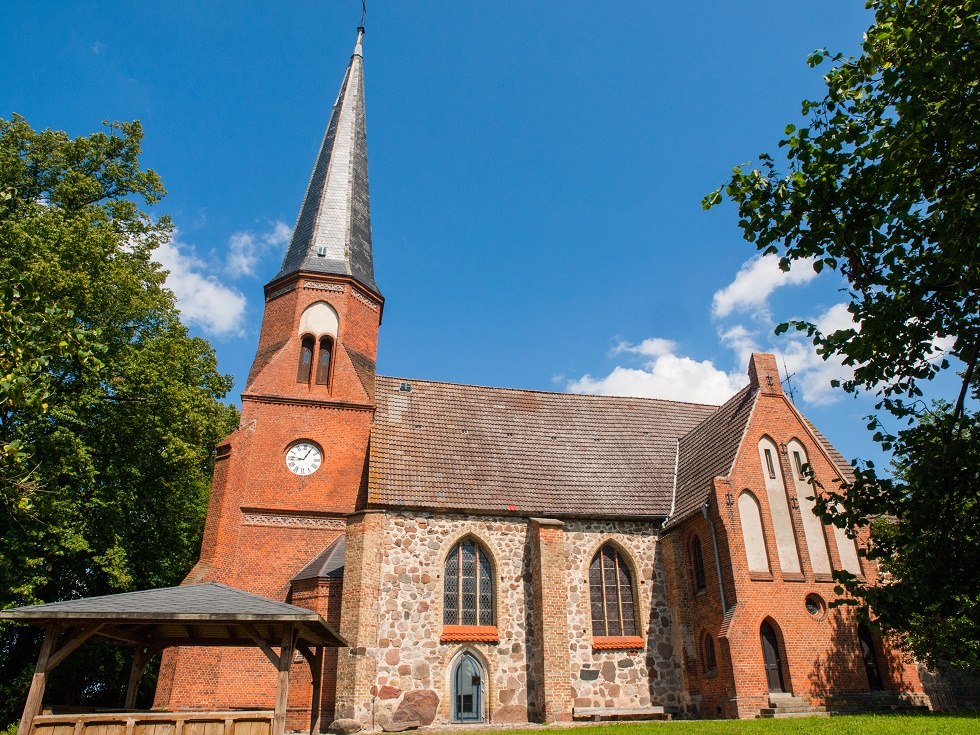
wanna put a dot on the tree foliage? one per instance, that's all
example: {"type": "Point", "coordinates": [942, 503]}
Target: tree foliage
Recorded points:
{"type": "Point", "coordinates": [110, 409]}
{"type": "Point", "coordinates": [880, 183]}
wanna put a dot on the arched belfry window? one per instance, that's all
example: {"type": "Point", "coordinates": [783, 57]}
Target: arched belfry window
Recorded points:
{"type": "Point", "coordinates": [697, 563]}
{"type": "Point", "coordinates": [305, 366]}
{"type": "Point", "coordinates": [468, 597]}
{"type": "Point", "coordinates": [323, 357]}
{"type": "Point", "coordinates": [611, 594]}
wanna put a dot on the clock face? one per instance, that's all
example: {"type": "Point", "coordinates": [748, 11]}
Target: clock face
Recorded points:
{"type": "Point", "coordinates": [303, 458]}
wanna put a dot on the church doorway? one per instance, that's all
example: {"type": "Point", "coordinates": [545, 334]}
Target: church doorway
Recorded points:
{"type": "Point", "coordinates": [468, 689]}
{"type": "Point", "coordinates": [772, 659]}
{"type": "Point", "coordinates": [870, 659]}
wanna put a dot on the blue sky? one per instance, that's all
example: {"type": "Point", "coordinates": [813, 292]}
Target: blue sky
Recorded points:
{"type": "Point", "coordinates": [536, 173]}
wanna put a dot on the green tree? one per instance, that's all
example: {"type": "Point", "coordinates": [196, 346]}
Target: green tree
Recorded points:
{"type": "Point", "coordinates": [110, 411]}
{"type": "Point", "coordinates": [880, 183]}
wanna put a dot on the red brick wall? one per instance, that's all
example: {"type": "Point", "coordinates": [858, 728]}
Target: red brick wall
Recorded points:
{"type": "Point", "coordinates": [550, 616]}
{"type": "Point", "coordinates": [820, 657]}
{"type": "Point", "coordinates": [264, 523]}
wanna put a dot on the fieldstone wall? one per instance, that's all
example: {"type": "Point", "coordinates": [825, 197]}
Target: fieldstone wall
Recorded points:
{"type": "Point", "coordinates": [413, 666]}
{"type": "Point", "coordinates": [411, 658]}
{"type": "Point", "coordinates": [629, 678]}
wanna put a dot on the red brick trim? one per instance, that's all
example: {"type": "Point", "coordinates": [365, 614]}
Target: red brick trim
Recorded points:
{"type": "Point", "coordinates": [470, 633]}
{"type": "Point", "coordinates": [617, 642]}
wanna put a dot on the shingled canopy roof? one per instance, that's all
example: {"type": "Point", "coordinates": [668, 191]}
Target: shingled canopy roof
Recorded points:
{"type": "Point", "coordinates": [447, 446]}
{"type": "Point", "coordinates": [200, 614]}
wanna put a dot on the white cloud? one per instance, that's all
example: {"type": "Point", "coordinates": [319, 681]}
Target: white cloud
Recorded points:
{"type": "Point", "coordinates": [202, 299]}
{"type": "Point", "coordinates": [666, 375]}
{"type": "Point", "coordinates": [245, 248]}
{"type": "Point", "coordinates": [755, 282]}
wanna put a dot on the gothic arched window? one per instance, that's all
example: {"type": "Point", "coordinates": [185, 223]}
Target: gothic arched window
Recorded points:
{"type": "Point", "coordinates": [611, 594]}
{"type": "Point", "coordinates": [323, 361]}
{"type": "Point", "coordinates": [468, 598]}
{"type": "Point", "coordinates": [697, 562]}
{"type": "Point", "coordinates": [709, 660]}
{"type": "Point", "coordinates": [305, 360]}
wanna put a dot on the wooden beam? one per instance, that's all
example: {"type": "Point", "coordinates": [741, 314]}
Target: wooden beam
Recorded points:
{"type": "Point", "coordinates": [253, 632]}
{"type": "Point", "coordinates": [282, 683]}
{"type": "Point", "coordinates": [72, 645]}
{"type": "Point", "coordinates": [141, 657]}
{"type": "Point", "coordinates": [32, 707]}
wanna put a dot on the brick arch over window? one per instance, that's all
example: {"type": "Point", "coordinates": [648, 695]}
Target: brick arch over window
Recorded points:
{"type": "Point", "coordinates": [612, 594]}
{"type": "Point", "coordinates": [752, 535]}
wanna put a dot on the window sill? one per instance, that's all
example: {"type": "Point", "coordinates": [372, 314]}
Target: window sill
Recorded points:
{"type": "Point", "coordinates": [470, 634]}
{"type": "Point", "coordinates": [617, 642]}
{"type": "Point", "coordinates": [760, 576]}
{"type": "Point", "coordinates": [793, 577]}
{"type": "Point", "coordinates": [823, 578]}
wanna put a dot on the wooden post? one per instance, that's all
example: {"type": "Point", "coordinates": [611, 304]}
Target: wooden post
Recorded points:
{"type": "Point", "coordinates": [315, 659]}
{"type": "Point", "coordinates": [282, 684]}
{"type": "Point", "coordinates": [141, 657]}
{"type": "Point", "coordinates": [36, 693]}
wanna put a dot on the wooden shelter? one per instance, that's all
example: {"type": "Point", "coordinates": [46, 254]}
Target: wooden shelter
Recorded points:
{"type": "Point", "coordinates": [208, 614]}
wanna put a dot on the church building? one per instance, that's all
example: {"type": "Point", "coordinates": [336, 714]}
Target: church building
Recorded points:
{"type": "Point", "coordinates": [494, 555]}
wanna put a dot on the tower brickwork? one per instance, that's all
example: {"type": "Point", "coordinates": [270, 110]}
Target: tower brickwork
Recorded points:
{"type": "Point", "coordinates": [288, 477]}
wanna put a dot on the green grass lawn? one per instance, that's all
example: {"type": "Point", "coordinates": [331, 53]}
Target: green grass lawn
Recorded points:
{"type": "Point", "coordinates": [844, 725]}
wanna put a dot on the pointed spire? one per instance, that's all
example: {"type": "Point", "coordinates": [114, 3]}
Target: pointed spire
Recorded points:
{"type": "Point", "coordinates": [333, 232]}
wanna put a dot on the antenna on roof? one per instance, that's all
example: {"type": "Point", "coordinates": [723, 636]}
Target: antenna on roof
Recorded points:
{"type": "Point", "coordinates": [787, 382]}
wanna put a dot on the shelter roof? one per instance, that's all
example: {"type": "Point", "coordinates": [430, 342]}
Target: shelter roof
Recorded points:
{"type": "Point", "coordinates": [195, 614]}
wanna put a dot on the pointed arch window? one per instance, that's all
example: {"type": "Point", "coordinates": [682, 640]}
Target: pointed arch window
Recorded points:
{"type": "Point", "coordinates": [709, 660]}
{"type": "Point", "coordinates": [323, 358]}
{"type": "Point", "coordinates": [468, 598]}
{"type": "Point", "coordinates": [305, 366]}
{"type": "Point", "coordinates": [611, 597]}
{"type": "Point", "coordinates": [697, 563]}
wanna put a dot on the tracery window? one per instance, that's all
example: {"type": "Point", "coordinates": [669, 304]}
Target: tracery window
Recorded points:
{"type": "Point", "coordinates": [611, 594]}
{"type": "Point", "coordinates": [697, 562]}
{"type": "Point", "coordinates": [468, 596]}
{"type": "Point", "coordinates": [305, 366]}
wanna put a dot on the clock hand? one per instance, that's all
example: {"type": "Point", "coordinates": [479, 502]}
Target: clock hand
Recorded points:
{"type": "Point", "coordinates": [307, 453]}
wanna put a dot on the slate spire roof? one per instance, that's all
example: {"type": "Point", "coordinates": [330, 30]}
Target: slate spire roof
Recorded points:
{"type": "Point", "coordinates": [333, 231]}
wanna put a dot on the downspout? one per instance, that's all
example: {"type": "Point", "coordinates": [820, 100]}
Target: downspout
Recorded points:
{"type": "Point", "coordinates": [714, 545]}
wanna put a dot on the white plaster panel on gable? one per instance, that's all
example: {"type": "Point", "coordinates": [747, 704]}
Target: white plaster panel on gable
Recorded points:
{"type": "Point", "coordinates": [752, 536]}
{"type": "Point", "coordinates": [789, 558]}
{"type": "Point", "coordinates": [319, 319]}
{"type": "Point", "coordinates": [812, 525]}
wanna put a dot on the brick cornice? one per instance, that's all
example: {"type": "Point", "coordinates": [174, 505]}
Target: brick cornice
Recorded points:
{"type": "Point", "coordinates": [311, 402]}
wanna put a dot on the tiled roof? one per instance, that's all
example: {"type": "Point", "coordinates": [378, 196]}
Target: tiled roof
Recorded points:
{"type": "Point", "coordinates": [328, 564]}
{"type": "Point", "coordinates": [188, 602]}
{"type": "Point", "coordinates": [461, 447]}
{"type": "Point", "coordinates": [709, 450]}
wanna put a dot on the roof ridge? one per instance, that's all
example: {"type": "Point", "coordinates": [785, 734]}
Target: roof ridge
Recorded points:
{"type": "Point", "coordinates": [557, 393]}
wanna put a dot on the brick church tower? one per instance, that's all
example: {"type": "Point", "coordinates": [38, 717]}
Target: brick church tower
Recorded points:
{"type": "Point", "coordinates": [285, 481]}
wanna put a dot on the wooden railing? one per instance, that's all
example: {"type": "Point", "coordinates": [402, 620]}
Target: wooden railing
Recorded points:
{"type": "Point", "coordinates": [155, 723]}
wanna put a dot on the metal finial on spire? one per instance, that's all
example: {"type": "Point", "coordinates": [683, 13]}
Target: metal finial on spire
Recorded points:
{"type": "Point", "coordinates": [363, 13]}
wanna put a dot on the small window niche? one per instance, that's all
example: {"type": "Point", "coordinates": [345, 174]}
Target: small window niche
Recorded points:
{"type": "Point", "coordinates": [305, 366]}
{"type": "Point", "coordinates": [323, 361]}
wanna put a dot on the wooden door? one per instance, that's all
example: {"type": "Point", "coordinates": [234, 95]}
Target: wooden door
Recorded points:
{"type": "Point", "coordinates": [770, 655]}
{"type": "Point", "coordinates": [870, 659]}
